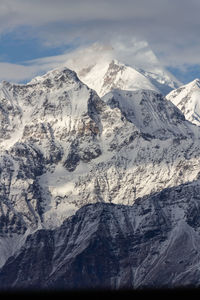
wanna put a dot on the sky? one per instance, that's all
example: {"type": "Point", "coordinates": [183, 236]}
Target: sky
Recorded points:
{"type": "Point", "coordinates": [36, 36]}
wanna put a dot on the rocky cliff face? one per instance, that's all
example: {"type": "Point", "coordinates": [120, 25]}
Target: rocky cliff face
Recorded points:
{"type": "Point", "coordinates": [152, 244]}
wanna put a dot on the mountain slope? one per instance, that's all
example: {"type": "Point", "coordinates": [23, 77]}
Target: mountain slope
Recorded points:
{"type": "Point", "coordinates": [187, 99]}
{"type": "Point", "coordinates": [149, 111]}
{"type": "Point", "coordinates": [152, 244]}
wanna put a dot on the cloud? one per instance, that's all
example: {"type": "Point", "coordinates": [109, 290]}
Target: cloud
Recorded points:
{"type": "Point", "coordinates": [17, 73]}
{"type": "Point", "coordinates": [133, 52]}
{"type": "Point", "coordinates": [24, 73]}
{"type": "Point", "coordinates": [170, 27]}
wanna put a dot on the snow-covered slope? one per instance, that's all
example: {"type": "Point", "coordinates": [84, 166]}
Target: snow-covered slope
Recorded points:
{"type": "Point", "coordinates": [150, 112]}
{"type": "Point", "coordinates": [98, 67]}
{"type": "Point", "coordinates": [187, 99]}
{"type": "Point", "coordinates": [63, 147]}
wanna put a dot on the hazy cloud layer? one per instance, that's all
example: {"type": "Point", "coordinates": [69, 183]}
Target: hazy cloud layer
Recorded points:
{"type": "Point", "coordinates": [131, 52]}
{"type": "Point", "coordinates": [171, 27]}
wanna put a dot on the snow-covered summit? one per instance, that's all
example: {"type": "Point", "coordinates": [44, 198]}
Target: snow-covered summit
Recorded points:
{"type": "Point", "coordinates": [187, 99]}
{"type": "Point", "coordinates": [57, 74]}
{"type": "Point", "coordinates": [100, 68]}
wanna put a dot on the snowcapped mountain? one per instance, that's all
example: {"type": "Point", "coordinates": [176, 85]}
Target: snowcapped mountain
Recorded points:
{"type": "Point", "coordinates": [101, 71]}
{"type": "Point", "coordinates": [63, 147]}
{"type": "Point", "coordinates": [187, 99]}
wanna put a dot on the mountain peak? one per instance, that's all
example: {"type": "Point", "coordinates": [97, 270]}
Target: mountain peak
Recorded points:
{"type": "Point", "coordinates": [187, 99]}
{"type": "Point", "coordinates": [61, 73]}
{"type": "Point", "coordinates": [103, 70]}
{"type": "Point", "coordinates": [195, 82]}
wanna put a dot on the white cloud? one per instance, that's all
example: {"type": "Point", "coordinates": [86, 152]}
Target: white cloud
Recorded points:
{"type": "Point", "coordinates": [171, 27]}
{"type": "Point", "coordinates": [24, 73]}
{"type": "Point", "coordinates": [15, 72]}
{"type": "Point", "coordinates": [132, 52]}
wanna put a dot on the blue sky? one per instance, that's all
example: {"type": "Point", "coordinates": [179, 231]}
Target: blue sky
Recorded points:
{"type": "Point", "coordinates": [36, 36]}
{"type": "Point", "coordinates": [14, 49]}
{"type": "Point", "coordinates": [187, 73]}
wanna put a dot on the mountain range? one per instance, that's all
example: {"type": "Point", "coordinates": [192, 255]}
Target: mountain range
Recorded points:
{"type": "Point", "coordinates": [99, 179]}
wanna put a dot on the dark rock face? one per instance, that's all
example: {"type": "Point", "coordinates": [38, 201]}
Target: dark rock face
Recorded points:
{"type": "Point", "coordinates": [24, 163]}
{"type": "Point", "coordinates": [155, 243]}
